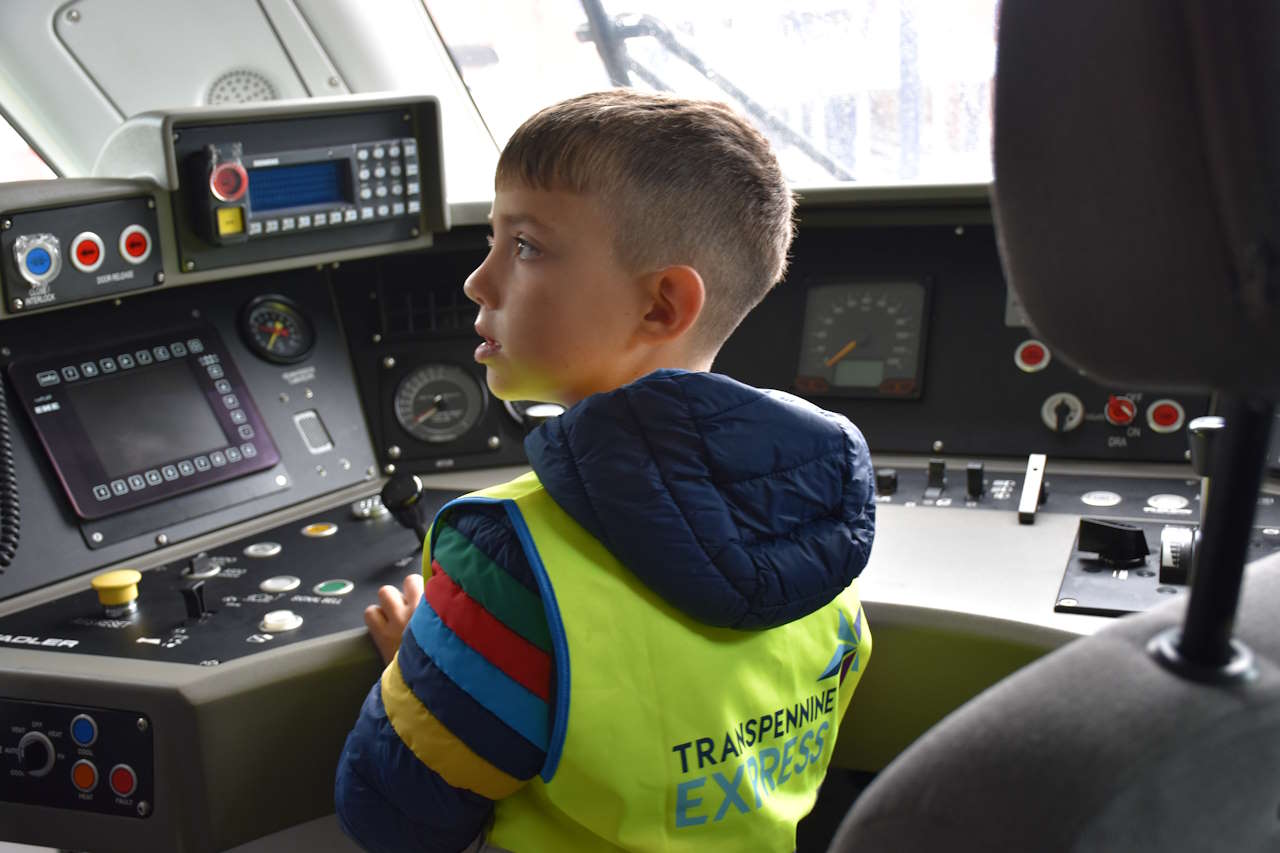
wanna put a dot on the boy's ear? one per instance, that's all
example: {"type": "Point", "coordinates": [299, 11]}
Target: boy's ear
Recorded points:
{"type": "Point", "coordinates": [676, 296]}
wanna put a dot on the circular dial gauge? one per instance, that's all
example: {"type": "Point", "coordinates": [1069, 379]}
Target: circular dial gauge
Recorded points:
{"type": "Point", "coordinates": [863, 339]}
{"type": "Point", "coordinates": [275, 328]}
{"type": "Point", "coordinates": [436, 403]}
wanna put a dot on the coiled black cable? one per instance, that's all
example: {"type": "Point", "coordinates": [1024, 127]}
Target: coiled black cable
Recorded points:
{"type": "Point", "coordinates": [10, 505]}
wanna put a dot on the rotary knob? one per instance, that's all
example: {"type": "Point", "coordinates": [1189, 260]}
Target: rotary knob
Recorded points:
{"type": "Point", "coordinates": [35, 754]}
{"type": "Point", "coordinates": [1062, 412]}
{"type": "Point", "coordinates": [1120, 411]}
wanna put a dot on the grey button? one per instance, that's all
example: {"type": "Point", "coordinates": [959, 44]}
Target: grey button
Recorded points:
{"type": "Point", "coordinates": [350, 215]}
{"type": "Point", "coordinates": [125, 361]}
{"type": "Point", "coordinates": [222, 386]}
{"type": "Point", "coordinates": [120, 487]}
{"type": "Point", "coordinates": [178, 349]}
{"type": "Point", "coordinates": [366, 193]}
{"type": "Point", "coordinates": [201, 463]}
{"type": "Point", "coordinates": [410, 169]}
{"type": "Point", "coordinates": [262, 550]}
{"type": "Point", "coordinates": [70, 374]}
{"type": "Point", "coordinates": [255, 228]}
{"type": "Point", "coordinates": [195, 345]}
{"type": "Point", "coordinates": [230, 401]}
{"type": "Point", "coordinates": [415, 206]}
{"type": "Point", "coordinates": [362, 154]}
{"type": "Point", "coordinates": [101, 491]}
{"type": "Point", "coordinates": [248, 450]}
{"type": "Point", "coordinates": [89, 369]}
{"type": "Point", "coordinates": [143, 357]}
{"type": "Point", "coordinates": [233, 454]}
{"type": "Point", "coordinates": [279, 583]}
{"type": "Point", "coordinates": [384, 210]}
{"type": "Point", "coordinates": [217, 458]}
{"type": "Point", "coordinates": [154, 478]}
{"type": "Point", "coordinates": [161, 352]}
{"type": "Point", "coordinates": [394, 150]}
{"type": "Point", "coordinates": [245, 431]}
{"type": "Point", "coordinates": [396, 171]}
{"type": "Point", "coordinates": [211, 358]}
{"type": "Point", "coordinates": [412, 188]}
{"type": "Point", "coordinates": [273, 225]}
{"type": "Point", "coordinates": [288, 223]}
{"type": "Point", "coordinates": [238, 416]}
{"type": "Point", "coordinates": [366, 213]}
{"type": "Point", "coordinates": [45, 378]}
{"type": "Point", "coordinates": [185, 468]}
{"type": "Point", "coordinates": [215, 371]}
{"type": "Point", "coordinates": [364, 174]}
{"type": "Point", "coordinates": [397, 209]}
{"type": "Point", "coordinates": [397, 189]}
{"type": "Point", "coordinates": [169, 472]}
{"type": "Point", "coordinates": [379, 173]}
{"type": "Point", "coordinates": [410, 147]}
{"type": "Point", "coordinates": [136, 482]}
{"type": "Point", "coordinates": [381, 191]}
{"type": "Point", "coordinates": [304, 221]}
{"type": "Point", "coordinates": [379, 153]}
{"type": "Point", "coordinates": [107, 364]}
{"type": "Point", "coordinates": [335, 217]}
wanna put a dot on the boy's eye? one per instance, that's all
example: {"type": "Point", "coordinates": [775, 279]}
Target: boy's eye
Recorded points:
{"type": "Point", "coordinates": [525, 250]}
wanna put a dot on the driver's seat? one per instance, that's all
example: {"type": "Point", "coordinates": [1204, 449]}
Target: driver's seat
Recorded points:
{"type": "Point", "coordinates": [1137, 196]}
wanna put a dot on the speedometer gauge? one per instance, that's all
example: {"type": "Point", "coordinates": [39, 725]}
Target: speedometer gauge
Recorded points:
{"type": "Point", "coordinates": [438, 403]}
{"type": "Point", "coordinates": [863, 339]}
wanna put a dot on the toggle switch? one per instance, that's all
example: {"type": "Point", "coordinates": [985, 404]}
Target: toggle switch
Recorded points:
{"type": "Point", "coordinates": [886, 481]}
{"type": "Point", "coordinates": [1115, 543]}
{"type": "Point", "coordinates": [973, 485]}
{"type": "Point", "coordinates": [937, 479]}
{"type": "Point", "coordinates": [193, 598]}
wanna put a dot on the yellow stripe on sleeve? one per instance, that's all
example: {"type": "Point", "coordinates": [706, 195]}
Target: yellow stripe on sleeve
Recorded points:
{"type": "Point", "coordinates": [436, 746]}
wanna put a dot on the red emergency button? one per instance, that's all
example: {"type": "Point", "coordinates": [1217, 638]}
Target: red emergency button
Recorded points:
{"type": "Point", "coordinates": [228, 181]}
{"type": "Point", "coordinates": [123, 780]}
{"type": "Point", "coordinates": [1031, 355]}
{"type": "Point", "coordinates": [1120, 411]}
{"type": "Point", "coordinates": [135, 244]}
{"type": "Point", "coordinates": [87, 251]}
{"type": "Point", "coordinates": [1165, 416]}
{"type": "Point", "coordinates": [84, 776]}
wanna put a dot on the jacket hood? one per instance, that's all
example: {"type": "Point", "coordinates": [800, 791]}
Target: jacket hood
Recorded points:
{"type": "Point", "coordinates": [743, 508]}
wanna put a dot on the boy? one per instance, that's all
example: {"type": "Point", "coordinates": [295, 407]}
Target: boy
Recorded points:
{"type": "Point", "coordinates": [649, 642]}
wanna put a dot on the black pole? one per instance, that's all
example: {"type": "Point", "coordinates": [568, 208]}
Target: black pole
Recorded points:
{"type": "Point", "coordinates": [612, 50]}
{"type": "Point", "coordinates": [1235, 475]}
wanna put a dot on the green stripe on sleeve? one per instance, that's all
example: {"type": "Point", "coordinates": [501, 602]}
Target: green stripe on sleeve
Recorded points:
{"type": "Point", "coordinates": [492, 586]}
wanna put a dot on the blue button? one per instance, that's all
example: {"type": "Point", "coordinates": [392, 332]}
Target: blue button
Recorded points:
{"type": "Point", "coordinates": [84, 731]}
{"type": "Point", "coordinates": [38, 261]}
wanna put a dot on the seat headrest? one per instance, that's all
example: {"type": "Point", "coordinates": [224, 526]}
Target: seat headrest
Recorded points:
{"type": "Point", "coordinates": [1137, 186]}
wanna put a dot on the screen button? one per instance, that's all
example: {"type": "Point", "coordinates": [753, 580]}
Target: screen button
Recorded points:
{"type": "Point", "coordinates": [415, 206]}
{"type": "Point", "coordinates": [185, 468]}
{"type": "Point", "coordinates": [245, 431]}
{"type": "Point", "coordinates": [47, 377]}
{"type": "Point", "coordinates": [396, 171]}
{"type": "Point", "coordinates": [230, 400]}
{"type": "Point", "coordinates": [304, 221]}
{"type": "Point", "coordinates": [125, 361]}
{"type": "Point", "coordinates": [410, 148]}
{"type": "Point", "coordinates": [70, 373]}
{"type": "Point", "coordinates": [136, 482]}
{"type": "Point", "coordinates": [178, 349]}
{"type": "Point", "coordinates": [201, 463]}
{"type": "Point", "coordinates": [89, 369]}
{"type": "Point", "coordinates": [397, 209]}
{"type": "Point", "coordinates": [381, 191]}
{"type": "Point", "coordinates": [288, 223]}
{"type": "Point", "coordinates": [101, 491]}
{"type": "Point", "coordinates": [379, 153]}
{"type": "Point", "coordinates": [397, 189]}
{"type": "Point", "coordinates": [233, 454]}
{"type": "Point", "coordinates": [215, 371]}
{"type": "Point", "coordinates": [273, 225]}
{"type": "Point", "coordinates": [248, 450]}
{"type": "Point", "coordinates": [255, 228]}
{"type": "Point", "coordinates": [195, 345]}
{"type": "Point", "coordinates": [120, 487]}
{"type": "Point", "coordinates": [366, 193]}
{"type": "Point", "coordinates": [394, 151]}
{"type": "Point", "coordinates": [161, 352]}
{"type": "Point", "coordinates": [107, 364]}
{"type": "Point", "coordinates": [222, 386]}
{"type": "Point", "coordinates": [362, 154]}
{"type": "Point", "coordinates": [410, 169]}
{"type": "Point", "coordinates": [169, 472]}
{"type": "Point", "coordinates": [238, 416]}
{"type": "Point", "coordinates": [350, 215]}
{"type": "Point", "coordinates": [144, 357]}
{"type": "Point", "coordinates": [366, 213]}
{"type": "Point", "coordinates": [384, 210]}
{"type": "Point", "coordinates": [335, 217]}
{"type": "Point", "coordinates": [412, 187]}
{"type": "Point", "coordinates": [217, 458]}
{"type": "Point", "coordinates": [154, 478]}
{"type": "Point", "coordinates": [211, 358]}
{"type": "Point", "coordinates": [379, 173]}
{"type": "Point", "coordinates": [364, 174]}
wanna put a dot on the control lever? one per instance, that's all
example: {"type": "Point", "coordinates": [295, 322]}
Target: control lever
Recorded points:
{"type": "Point", "coordinates": [193, 598]}
{"type": "Point", "coordinates": [1203, 434]}
{"type": "Point", "coordinates": [1032, 489]}
{"type": "Point", "coordinates": [402, 496]}
{"type": "Point", "coordinates": [1178, 544]}
{"type": "Point", "coordinates": [937, 482]}
{"type": "Point", "coordinates": [1116, 544]}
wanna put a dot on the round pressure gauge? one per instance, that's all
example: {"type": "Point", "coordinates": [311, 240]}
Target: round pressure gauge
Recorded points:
{"type": "Point", "coordinates": [275, 329]}
{"type": "Point", "coordinates": [438, 403]}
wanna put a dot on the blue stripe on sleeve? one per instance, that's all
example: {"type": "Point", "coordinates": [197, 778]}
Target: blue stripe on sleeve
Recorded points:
{"type": "Point", "coordinates": [473, 723]}
{"type": "Point", "coordinates": [487, 684]}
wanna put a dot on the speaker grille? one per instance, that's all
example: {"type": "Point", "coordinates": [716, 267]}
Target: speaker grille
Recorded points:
{"type": "Point", "coordinates": [240, 86]}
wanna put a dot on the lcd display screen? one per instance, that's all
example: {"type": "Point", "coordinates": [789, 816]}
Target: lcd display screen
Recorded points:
{"type": "Point", "coordinates": [146, 417]}
{"type": "Point", "coordinates": [283, 187]}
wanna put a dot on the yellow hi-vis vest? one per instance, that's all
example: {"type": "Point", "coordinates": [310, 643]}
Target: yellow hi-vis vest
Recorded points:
{"type": "Point", "coordinates": [670, 735]}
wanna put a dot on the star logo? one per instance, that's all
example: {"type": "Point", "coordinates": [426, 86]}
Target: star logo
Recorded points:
{"type": "Point", "coordinates": [846, 655]}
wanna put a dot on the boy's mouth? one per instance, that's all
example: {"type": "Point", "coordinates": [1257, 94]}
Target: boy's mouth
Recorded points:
{"type": "Point", "coordinates": [487, 349]}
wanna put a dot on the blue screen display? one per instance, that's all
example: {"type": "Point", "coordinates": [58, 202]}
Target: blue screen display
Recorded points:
{"type": "Point", "coordinates": [296, 186]}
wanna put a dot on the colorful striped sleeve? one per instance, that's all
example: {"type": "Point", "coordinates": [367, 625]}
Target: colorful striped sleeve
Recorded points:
{"type": "Point", "coordinates": [467, 697]}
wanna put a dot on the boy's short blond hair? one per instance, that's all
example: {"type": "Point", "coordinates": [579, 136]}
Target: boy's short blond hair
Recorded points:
{"type": "Point", "coordinates": [684, 182]}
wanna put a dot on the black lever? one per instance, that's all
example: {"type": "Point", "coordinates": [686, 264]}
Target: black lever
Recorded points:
{"type": "Point", "coordinates": [1115, 543]}
{"type": "Point", "coordinates": [402, 495]}
{"type": "Point", "coordinates": [193, 598]}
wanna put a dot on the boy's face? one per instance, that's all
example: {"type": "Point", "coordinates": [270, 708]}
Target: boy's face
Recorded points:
{"type": "Point", "coordinates": [558, 312]}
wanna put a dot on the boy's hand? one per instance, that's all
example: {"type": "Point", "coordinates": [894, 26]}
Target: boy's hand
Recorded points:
{"type": "Point", "coordinates": [387, 619]}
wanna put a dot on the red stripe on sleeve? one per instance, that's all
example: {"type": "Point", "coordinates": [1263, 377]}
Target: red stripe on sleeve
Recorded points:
{"type": "Point", "coordinates": [521, 661]}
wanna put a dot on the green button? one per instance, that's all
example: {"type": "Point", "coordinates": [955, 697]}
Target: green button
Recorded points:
{"type": "Point", "coordinates": [334, 587]}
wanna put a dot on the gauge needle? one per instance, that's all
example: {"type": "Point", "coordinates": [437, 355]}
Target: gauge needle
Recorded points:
{"type": "Point", "coordinates": [431, 410]}
{"type": "Point", "coordinates": [844, 350]}
{"type": "Point", "coordinates": [275, 333]}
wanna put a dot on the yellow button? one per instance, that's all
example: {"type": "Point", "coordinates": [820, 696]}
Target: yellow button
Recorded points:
{"type": "Point", "coordinates": [320, 529]}
{"type": "Point", "coordinates": [230, 221]}
{"type": "Point", "coordinates": [118, 587]}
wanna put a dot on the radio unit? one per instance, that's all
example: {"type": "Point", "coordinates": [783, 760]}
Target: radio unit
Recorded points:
{"type": "Point", "coordinates": [263, 196]}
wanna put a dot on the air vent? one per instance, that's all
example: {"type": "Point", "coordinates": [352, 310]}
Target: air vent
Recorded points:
{"type": "Point", "coordinates": [240, 86]}
{"type": "Point", "coordinates": [412, 310]}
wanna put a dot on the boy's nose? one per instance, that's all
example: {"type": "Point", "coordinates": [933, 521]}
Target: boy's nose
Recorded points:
{"type": "Point", "coordinates": [473, 288]}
